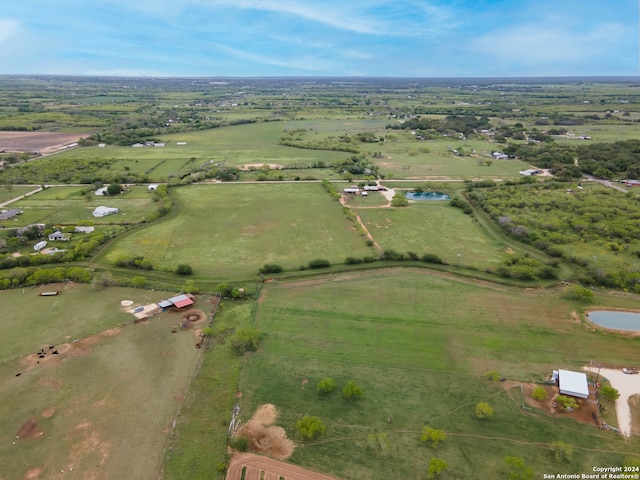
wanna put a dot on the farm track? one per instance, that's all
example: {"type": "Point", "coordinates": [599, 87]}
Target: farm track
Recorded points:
{"type": "Point", "coordinates": [257, 467]}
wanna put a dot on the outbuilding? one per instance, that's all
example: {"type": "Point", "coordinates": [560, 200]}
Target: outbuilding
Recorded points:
{"type": "Point", "coordinates": [102, 211]}
{"type": "Point", "coordinates": [573, 383]}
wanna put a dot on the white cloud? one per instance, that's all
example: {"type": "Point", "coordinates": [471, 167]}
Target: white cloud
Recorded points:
{"type": "Point", "coordinates": [547, 43]}
{"type": "Point", "coordinates": [8, 28]}
{"type": "Point", "coordinates": [299, 63]}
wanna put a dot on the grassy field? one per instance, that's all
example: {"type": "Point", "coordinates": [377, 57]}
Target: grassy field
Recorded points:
{"type": "Point", "coordinates": [12, 191]}
{"type": "Point", "coordinates": [433, 227]}
{"type": "Point", "coordinates": [66, 205]}
{"type": "Point", "coordinates": [419, 346]}
{"type": "Point", "coordinates": [106, 403]}
{"type": "Point", "coordinates": [233, 146]}
{"type": "Point", "coordinates": [226, 231]}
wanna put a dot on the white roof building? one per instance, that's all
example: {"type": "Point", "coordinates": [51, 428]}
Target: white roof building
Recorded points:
{"type": "Point", "coordinates": [104, 211]}
{"type": "Point", "coordinates": [40, 245]}
{"type": "Point", "coordinates": [573, 383]}
{"type": "Point", "coordinates": [152, 186]}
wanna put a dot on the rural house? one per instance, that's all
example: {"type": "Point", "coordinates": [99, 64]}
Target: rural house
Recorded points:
{"type": "Point", "coordinates": [59, 236]}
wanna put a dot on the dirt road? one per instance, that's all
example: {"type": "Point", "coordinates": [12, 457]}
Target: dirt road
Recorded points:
{"type": "Point", "coordinates": [273, 469]}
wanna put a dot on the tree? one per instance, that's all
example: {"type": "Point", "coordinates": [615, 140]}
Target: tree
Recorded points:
{"type": "Point", "coordinates": [432, 436]}
{"type": "Point", "coordinates": [190, 287]}
{"type": "Point", "coordinates": [562, 451]}
{"type": "Point", "coordinates": [326, 385]}
{"type": "Point", "coordinates": [539, 394]}
{"type": "Point", "coordinates": [352, 391]}
{"type": "Point", "coordinates": [436, 467]}
{"type": "Point", "coordinates": [224, 289]}
{"type": "Point", "coordinates": [245, 339]}
{"type": "Point", "coordinates": [271, 268]}
{"type": "Point", "coordinates": [310, 427]}
{"type": "Point", "coordinates": [609, 393]}
{"type": "Point", "coordinates": [483, 411]}
{"type": "Point", "coordinates": [114, 189]}
{"type": "Point", "coordinates": [519, 469]}
{"type": "Point", "coordinates": [579, 293]}
{"type": "Point", "coordinates": [184, 269]}
{"type": "Point", "coordinates": [399, 200]}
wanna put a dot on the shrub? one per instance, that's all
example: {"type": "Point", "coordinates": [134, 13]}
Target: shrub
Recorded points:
{"type": "Point", "coordinates": [562, 451]}
{"type": "Point", "coordinates": [271, 268]}
{"type": "Point", "coordinates": [399, 200]}
{"type": "Point", "coordinates": [184, 269]}
{"type": "Point", "coordinates": [539, 394]}
{"type": "Point", "coordinates": [568, 403]}
{"type": "Point", "coordinates": [244, 340]}
{"type": "Point", "coordinates": [310, 427]}
{"type": "Point", "coordinates": [240, 443]}
{"type": "Point", "coordinates": [432, 436]}
{"type": "Point", "coordinates": [609, 393]}
{"type": "Point", "coordinates": [319, 263]}
{"type": "Point", "coordinates": [483, 411]}
{"type": "Point", "coordinates": [326, 385]}
{"type": "Point", "coordinates": [352, 391]}
{"type": "Point", "coordinates": [431, 258]}
{"type": "Point", "coordinates": [352, 261]}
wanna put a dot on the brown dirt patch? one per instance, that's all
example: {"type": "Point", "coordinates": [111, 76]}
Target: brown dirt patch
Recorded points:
{"type": "Point", "coordinates": [33, 473]}
{"type": "Point", "coordinates": [29, 429]}
{"type": "Point", "coordinates": [583, 414]}
{"type": "Point", "coordinates": [77, 348]}
{"type": "Point", "coordinates": [265, 437]}
{"type": "Point", "coordinates": [48, 413]}
{"type": "Point", "coordinates": [191, 317]}
{"type": "Point", "coordinates": [41, 142]}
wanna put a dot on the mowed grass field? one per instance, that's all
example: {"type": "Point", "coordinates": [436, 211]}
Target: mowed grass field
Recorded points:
{"type": "Point", "coordinates": [433, 227]}
{"type": "Point", "coordinates": [57, 205]}
{"type": "Point", "coordinates": [226, 231]}
{"type": "Point", "coordinates": [103, 407]}
{"type": "Point", "coordinates": [419, 345]}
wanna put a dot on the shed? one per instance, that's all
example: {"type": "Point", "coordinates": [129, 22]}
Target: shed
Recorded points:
{"type": "Point", "coordinates": [181, 301]}
{"type": "Point", "coordinates": [102, 211]}
{"type": "Point", "coordinates": [101, 192]}
{"type": "Point", "coordinates": [164, 304]}
{"type": "Point", "coordinates": [59, 236]}
{"type": "Point", "coordinates": [6, 215]}
{"type": "Point", "coordinates": [355, 190]}
{"type": "Point", "coordinates": [40, 245]}
{"type": "Point", "coordinates": [152, 186]}
{"type": "Point", "coordinates": [573, 383]}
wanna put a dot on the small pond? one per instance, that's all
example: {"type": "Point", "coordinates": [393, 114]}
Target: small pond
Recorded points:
{"type": "Point", "coordinates": [627, 321]}
{"type": "Point", "coordinates": [427, 196]}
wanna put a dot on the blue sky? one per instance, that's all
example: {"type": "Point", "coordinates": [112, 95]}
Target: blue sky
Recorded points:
{"type": "Point", "coordinates": [399, 38]}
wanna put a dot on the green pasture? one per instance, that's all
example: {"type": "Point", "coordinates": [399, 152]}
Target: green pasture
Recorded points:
{"type": "Point", "coordinates": [9, 192]}
{"type": "Point", "coordinates": [226, 230]}
{"type": "Point", "coordinates": [433, 227]}
{"type": "Point", "coordinates": [419, 345]}
{"type": "Point", "coordinates": [111, 397]}
{"type": "Point", "coordinates": [233, 146]}
{"type": "Point", "coordinates": [338, 126]}
{"type": "Point", "coordinates": [64, 205]}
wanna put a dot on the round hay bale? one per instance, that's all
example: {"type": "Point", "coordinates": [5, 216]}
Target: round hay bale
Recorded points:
{"type": "Point", "coordinates": [126, 303]}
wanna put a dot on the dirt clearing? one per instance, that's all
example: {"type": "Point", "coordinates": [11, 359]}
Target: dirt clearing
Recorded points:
{"type": "Point", "coordinates": [40, 142]}
{"type": "Point", "coordinates": [264, 437]}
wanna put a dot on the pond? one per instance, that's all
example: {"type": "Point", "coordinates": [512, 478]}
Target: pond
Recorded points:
{"type": "Point", "coordinates": [427, 196]}
{"type": "Point", "coordinates": [627, 321]}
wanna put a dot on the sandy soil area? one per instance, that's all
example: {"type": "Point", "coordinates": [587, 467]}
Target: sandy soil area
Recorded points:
{"type": "Point", "coordinates": [41, 142]}
{"type": "Point", "coordinates": [272, 469]}
{"type": "Point", "coordinates": [627, 385]}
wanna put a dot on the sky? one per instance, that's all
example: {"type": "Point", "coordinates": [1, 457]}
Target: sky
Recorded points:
{"type": "Point", "coordinates": [314, 38]}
